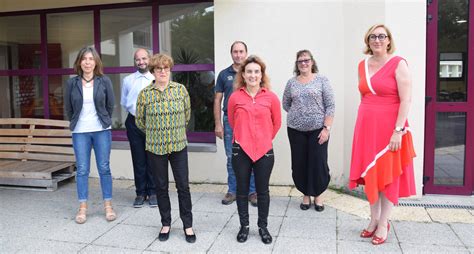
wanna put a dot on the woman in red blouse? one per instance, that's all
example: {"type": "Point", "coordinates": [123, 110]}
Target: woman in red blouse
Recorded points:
{"type": "Point", "coordinates": [255, 117]}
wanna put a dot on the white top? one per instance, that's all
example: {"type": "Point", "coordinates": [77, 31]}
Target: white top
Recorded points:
{"type": "Point", "coordinates": [131, 87]}
{"type": "Point", "coordinates": [88, 119]}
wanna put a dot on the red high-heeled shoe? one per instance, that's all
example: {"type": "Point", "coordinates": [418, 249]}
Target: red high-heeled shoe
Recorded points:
{"type": "Point", "coordinates": [379, 240]}
{"type": "Point", "coordinates": [367, 234]}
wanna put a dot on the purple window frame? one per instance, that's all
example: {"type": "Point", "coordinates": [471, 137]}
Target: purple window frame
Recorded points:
{"type": "Point", "coordinates": [44, 71]}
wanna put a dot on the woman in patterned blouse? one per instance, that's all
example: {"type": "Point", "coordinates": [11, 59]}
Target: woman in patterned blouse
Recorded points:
{"type": "Point", "coordinates": [163, 112]}
{"type": "Point", "coordinates": [309, 101]}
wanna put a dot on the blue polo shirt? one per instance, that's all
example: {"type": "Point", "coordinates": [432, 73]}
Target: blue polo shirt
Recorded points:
{"type": "Point", "coordinates": [224, 84]}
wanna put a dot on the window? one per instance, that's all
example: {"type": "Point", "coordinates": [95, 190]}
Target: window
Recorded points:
{"type": "Point", "coordinates": [185, 31]}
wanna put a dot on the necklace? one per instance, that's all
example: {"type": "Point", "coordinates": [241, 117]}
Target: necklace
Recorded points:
{"type": "Point", "coordinates": [88, 83]}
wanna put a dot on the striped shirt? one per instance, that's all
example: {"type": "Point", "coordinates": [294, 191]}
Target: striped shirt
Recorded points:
{"type": "Point", "coordinates": [163, 117]}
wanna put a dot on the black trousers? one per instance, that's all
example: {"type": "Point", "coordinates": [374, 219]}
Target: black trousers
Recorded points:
{"type": "Point", "coordinates": [144, 184]}
{"type": "Point", "coordinates": [309, 162]}
{"type": "Point", "coordinates": [179, 166]}
{"type": "Point", "coordinates": [262, 169]}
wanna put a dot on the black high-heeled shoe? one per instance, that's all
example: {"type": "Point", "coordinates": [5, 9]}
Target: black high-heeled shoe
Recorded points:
{"type": "Point", "coordinates": [190, 238]}
{"type": "Point", "coordinates": [265, 235]}
{"type": "Point", "coordinates": [164, 236]}
{"type": "Point", "coordinates": [243, 234]}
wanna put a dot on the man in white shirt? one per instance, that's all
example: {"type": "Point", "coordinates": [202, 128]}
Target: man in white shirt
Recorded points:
{"type": "Point", "coordinates": [131, 87]}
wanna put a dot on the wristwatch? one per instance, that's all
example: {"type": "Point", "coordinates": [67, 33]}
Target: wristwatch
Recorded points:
{"type": "Point", "coordinates": [399, 129]}
{"type": "Point", "coordinates": [327, 127]}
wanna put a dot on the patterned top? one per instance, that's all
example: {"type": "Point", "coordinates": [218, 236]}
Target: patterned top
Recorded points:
{"type": "Point", "coordinates": [163, 117]}
{"type": "Point", "coordinates": [308, 104]}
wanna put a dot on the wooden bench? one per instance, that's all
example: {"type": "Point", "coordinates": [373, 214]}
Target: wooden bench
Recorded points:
{"type": "Point", "coordinates": [35, 152]}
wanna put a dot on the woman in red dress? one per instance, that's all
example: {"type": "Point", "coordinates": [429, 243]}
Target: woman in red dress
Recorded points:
{"type": "Point", "coordinates": [382, 148]}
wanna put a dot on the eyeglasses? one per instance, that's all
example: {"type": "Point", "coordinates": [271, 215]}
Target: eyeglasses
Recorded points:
{"type": "Point", "coordinates": [303, 61]}
{"type": "Point", "coordinates": [162, 69]}
{"type": "Point", "coordinates": [374, 37]}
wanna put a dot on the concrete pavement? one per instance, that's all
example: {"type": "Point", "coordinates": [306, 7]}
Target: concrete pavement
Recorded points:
{"type": "Point", "coordinates": [43, 222]}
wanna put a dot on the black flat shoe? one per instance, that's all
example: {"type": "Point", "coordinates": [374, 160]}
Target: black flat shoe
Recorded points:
{"type": "Point", "coordinates": [164, 236]}
{"type": "Point", "coordinates": [305, 206]}
{"type": "Point", "coordinates": [190, 238]}
{"type": "Point", "coordinates": [265, 235]}
{"type": "Point", "coordinates": [243, 234]}
{"type": "Point", "coordinates": [319, 208]}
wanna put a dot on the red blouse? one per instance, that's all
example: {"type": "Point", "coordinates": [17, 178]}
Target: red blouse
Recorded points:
{"type": "Point", "coordinates": [255, 121]}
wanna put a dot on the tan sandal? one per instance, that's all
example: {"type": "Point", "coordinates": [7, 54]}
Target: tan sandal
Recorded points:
{"type": "Point", "coordinates": [109, 213]}
{"type": "Point", "coordinates": [81, 216]}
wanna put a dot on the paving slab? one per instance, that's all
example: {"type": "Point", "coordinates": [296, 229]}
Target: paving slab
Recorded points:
{"type": "Point", "coordinates": [212, 201]}
{"type": "Point", "coordinates": [207, 221]}
{"type": "Point", "coordinates": [280, 191]}
{"type": "Point", "coordinates": [465, 232]}
{"type": "Point", "coordinates": [42, 222]}
{"type": "Point", "coordinates": [309, 228]}
{"type": "Point", "coordinates": [450, 215]}
{"type": "Point", "coordinates": [426, 233]}
{"type": "Point", "coordinates": [347, 203]}
{"type": "Point", "coordinates": [367, 247]}
{"type": "Point", "coordinates": [109, 250]}
{"type": "Point", "coordinates": [147, 216]}
{"type": "Point", "coordinates": [301, 245]}
{"type": "Point", "coordinates": [29, 227]}
{"type": "Point", "coordinates": [278, 206]}
{"type": "Point", "coordinates": [432, 248]}
{"type": "Point", "coordinates": [403, 213]}
{"type": "Point", "coordinates": [208, 188]}
{"type": "Point", "coordinates": [82, 233]}
{"type": "Point", "coordinates": [128, 236]}
{"type": "Point", "coordinates": [29, 245]}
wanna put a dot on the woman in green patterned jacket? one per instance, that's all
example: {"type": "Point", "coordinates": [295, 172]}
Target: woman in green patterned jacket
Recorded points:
{"type": "Point", "coordinates": [163, 112]}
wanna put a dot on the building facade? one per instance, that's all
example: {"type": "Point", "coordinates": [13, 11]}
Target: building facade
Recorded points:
{"type": "Point", "coordinates": [38, 44]}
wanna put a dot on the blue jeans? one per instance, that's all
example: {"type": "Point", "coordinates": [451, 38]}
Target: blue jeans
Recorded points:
{"type": "Point", "coordinates": [231, 181]}
{"type": "Point", "coordinates": [83, 143]}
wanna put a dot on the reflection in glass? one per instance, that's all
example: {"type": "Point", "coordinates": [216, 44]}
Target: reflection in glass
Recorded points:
{"type": "Point", "coordinates": [452, 46]}
{"type": "Point", "coordinates": [57, 86]}
{"type": "Point", "coordinates": [450, 148]}
{"type": "Point", "coordinates": [187, 32]}
{"type": "Point", "coordinates": [122, 32]}
{"type": "Point", "coordinates": [120, 115]}
{"type": "Point", "coordinates": [200, 86]}
{"type": "Point", "coordinates": [27, 97]}
{"type": "Point", "coordinates": [67, 34]}
{"type": "Point", "coordinates": [20, 42]}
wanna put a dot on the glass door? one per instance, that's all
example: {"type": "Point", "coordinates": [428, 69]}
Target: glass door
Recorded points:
{"type": "Point", "coordinates": [449, 156]}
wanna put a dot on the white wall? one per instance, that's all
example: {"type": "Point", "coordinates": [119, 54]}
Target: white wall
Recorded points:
{"type": "Point", "coordinates": [333, 31]}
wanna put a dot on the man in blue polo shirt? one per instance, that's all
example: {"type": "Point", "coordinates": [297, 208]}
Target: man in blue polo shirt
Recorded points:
{"type": "Point", "coordinates": [224, 88]}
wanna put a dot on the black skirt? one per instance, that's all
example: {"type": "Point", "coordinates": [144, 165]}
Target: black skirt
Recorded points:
{"type": "Point", "coordinates": [309, 162]}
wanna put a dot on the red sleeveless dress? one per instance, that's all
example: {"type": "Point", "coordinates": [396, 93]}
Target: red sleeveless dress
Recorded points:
{"type": "Point", "coordinates": [372, 163]}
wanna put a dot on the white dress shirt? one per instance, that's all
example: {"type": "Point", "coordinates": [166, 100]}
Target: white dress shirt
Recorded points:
{"type": "Point", "coordinates": [131, 87]}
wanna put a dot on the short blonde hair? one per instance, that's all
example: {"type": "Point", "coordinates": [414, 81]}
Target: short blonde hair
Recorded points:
{"type": "Point", "coordinates": [160, 60]}
{"type": "Point", "coordinates": [239, 79]}
{"type": "Point", "coordinates": [390, 47]}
